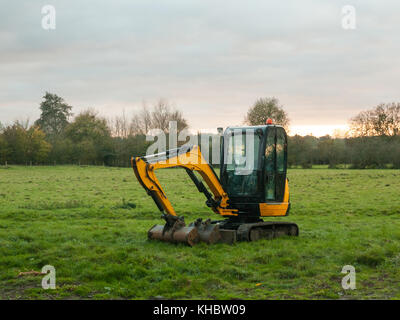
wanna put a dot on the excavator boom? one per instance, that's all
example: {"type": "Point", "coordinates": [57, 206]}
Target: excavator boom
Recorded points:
{"type": "Point", "coordinates": [191, 159]}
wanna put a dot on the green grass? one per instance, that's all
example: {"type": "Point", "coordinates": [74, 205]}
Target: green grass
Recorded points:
{"type": "Point", "coordinates": [91, 224]}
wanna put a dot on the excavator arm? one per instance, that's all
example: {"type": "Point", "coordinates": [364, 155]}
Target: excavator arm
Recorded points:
{"type": "Point", "coordinates": [191, 159]}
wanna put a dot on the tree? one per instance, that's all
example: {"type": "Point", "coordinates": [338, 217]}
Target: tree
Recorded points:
{"type": "Point", "coordinates": [17, 141]}
{"type": "Point", "coordinates": [383, 120]}
{"type": "Point", "coordinates": [4, 149]}
{"type": "Point", "coordinates": [265, 108]}
{"type": "Point", "coordinates": [162, 115]}
{"type": "Point", "coordinates": [21, 144]}
{"type": "Point", "coordinates": [158, 118]}
{"type": "Point", "coordinates": [62, 151]}
{"type": "Point", "coordinates": [301, 150]}
{"type": "Point", "coordinates": [180, 120]}
{"type": "Point", "coordinates": [37, 147]}
{"type": "Point", "coordinates": [143, 120]}
{"type": "Point", "coordinates": [91, 137]}
{"type": "Point", "coordinates": [54, 116]}
{"type": "Point", "coordinates": [330, 151]}
{"type": "Point", "coordinates": [119, 126]}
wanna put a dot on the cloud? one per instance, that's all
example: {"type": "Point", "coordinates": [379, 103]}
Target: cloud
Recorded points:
{"type": "Point", "coordinates": [212, 59]}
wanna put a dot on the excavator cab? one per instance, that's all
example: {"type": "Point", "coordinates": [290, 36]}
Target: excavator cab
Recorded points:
{"type": "Point", "coordinates": [253, 167]}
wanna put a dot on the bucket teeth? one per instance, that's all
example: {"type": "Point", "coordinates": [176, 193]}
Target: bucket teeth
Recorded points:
{"type": "Point", "coordinates": [188, 235]}
{"type": "Point", "coordinates": [207, 231]}
{"type": "Point", "coordinates": [175, 230]}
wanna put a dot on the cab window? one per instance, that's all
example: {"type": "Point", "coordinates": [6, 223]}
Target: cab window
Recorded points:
{"type": "Point", "coordinates": [280, 151]}
{"type": "Point", "coordinates": [270, 165]}
{"type": "Point", "coordinates": [242, 157]}
{"type": "Point", "coordinates": [275, 164]}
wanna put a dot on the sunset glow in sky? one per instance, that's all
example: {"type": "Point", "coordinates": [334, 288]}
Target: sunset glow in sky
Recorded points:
{"type": "Point", "coordinates": [210, 59]}
{"type": "Point", "coordinates": [319, 131]}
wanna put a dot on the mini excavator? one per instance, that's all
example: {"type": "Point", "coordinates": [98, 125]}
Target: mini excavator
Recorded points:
{"type": "Point", "coordinates": [252, 185]}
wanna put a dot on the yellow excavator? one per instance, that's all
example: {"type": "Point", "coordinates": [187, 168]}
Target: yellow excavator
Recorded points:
{"type": "Point", "coordinates": [252, 185]}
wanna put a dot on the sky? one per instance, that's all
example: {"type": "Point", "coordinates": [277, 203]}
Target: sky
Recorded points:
{"type": "Point", "coordinates": [210, 59]}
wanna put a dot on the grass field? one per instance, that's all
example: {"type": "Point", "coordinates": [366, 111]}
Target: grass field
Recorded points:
{"type": "Point", "coordinates": [90, 223]}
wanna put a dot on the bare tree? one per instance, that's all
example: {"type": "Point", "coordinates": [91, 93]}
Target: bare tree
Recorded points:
{"type": "Point", "coordinates": [141, 122]}
{"type": "Point", "coordinates": [145, 117]}
{"type": "Point", "coordinates": [23, 123]}
{"type": "Point", "coordinates": [119, 126]}
{"type": "Point", "coordinates": [135, 127]}
{"type": "Point", "coordinates": [122, 125]}
{"type": "Point", "coordinates": [383, 120]}
{"type": "Point", "coordinates": [158, 118]}
{"type": "Point", "coordinates": [180, 120]}
{"type": "Point", "coordinates": [161, 115]}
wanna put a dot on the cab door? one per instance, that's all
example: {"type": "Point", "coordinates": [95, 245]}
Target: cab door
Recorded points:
{"type": "Point", "coordinates": [275, 164]}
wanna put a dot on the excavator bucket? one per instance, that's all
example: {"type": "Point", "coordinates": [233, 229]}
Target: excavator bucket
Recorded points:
{"type": "Point", "coordinates": [175, 230]}
{"type": "Point", "coordinates": [188, 235]}
{"type": "Point", "coordinates": [208, 233]}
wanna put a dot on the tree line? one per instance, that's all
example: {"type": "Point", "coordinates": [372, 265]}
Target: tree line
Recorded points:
{"type": "Point", "coordinates": [373, 140]}
{"type": "Point", "coordinates": [86, 139]}
{"type": "Point", "coordinates": [90, 139]}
